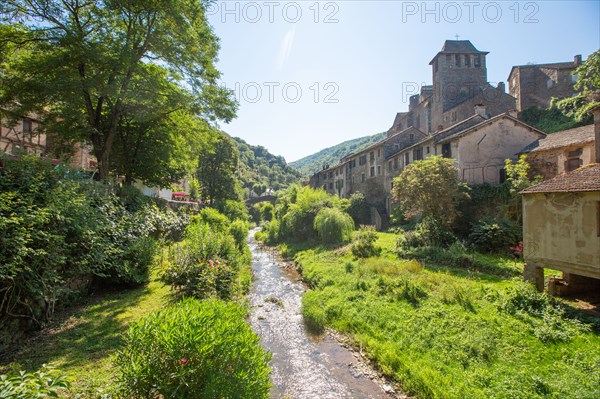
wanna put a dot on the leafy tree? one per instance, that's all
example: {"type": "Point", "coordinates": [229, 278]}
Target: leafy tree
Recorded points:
{"type": "Point", "coordinates": [588, 74]}
{"type": "Point", "coordinates": [518, 179]}
{"type": "Point", "coordinates": [79, 62]}
{"type": "Point", "coordinates": [431, 189]}
{"type": "Point", "coordinates": [217, 169]}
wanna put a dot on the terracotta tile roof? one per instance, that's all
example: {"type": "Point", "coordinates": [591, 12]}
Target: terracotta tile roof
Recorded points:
{"type": "Point", "coordinates": [565, 138]}
{"type": "Point", "coordinates": [586, 178]}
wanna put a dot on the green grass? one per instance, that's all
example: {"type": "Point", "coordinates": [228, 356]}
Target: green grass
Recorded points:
{"type": "Point", "coordinates": [444, 331]}
{"type": "Point", "coordinates": [82, 342]}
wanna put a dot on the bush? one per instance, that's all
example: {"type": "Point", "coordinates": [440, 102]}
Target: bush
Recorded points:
{"type": "Point", "coordinates": [213, 218]}
{"type": "Point", "coordinates": [271, 230]}
{"type": "Point", "coordinates": [492, 235]}
{"type": "Point", "coordinates": [363, 244]}
{"type": "Point", "coordinates": [238, 229]}
{"type": "Point", "coordinates": [58, 232]}
{"type": "Point", "coordinates": [359, 209]}
{"type": "Point", "coordinates": [194, 350]}
{"type": "Point", "coordinates": [267, 211]}
{"type": "Point", "coordinates": [44, 383]}
{"type": "Point", "coordinates": [333, 225]}
{"type": "Point", "coordinates": [205, 264]}
{"type": "Point", "coordinates": [233, 210]}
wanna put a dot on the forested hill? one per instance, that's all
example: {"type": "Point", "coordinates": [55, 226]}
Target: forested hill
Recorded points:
{"type": "Point", "coordinates": [332, 155]}
{"type": "Point", "coordinates": [259, 167]}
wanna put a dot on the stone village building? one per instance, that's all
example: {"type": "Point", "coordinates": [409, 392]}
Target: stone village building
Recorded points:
{"type": "Point", "coordinates": [460, 116]}
{"type": "Point", "coordinates": [535, 85]}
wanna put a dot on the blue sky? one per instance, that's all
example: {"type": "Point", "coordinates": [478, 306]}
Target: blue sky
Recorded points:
{"type": "Point", "coordinates": [309, 74]}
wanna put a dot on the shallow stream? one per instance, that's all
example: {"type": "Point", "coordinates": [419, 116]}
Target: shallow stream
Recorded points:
{"type": "Point", "coordinates": [304, 365]}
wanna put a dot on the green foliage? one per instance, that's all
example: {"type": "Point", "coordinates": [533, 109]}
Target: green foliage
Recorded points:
{"type": "Point", "coordinates": [544, 315]}
{"type": "Point", "coordinates": [518, 179]}
{"type": "Point", "coordinates": [333, 225]}
{"type": "Point", "coordinates": [359, 209]}
{"type": "Point", "coordinates": [452, 326]}
{"type": "Point", "coordinates": [107, 70]}
{"type": "Point", "coordinates": [234, 210]}
{"type": "Point", "coordinates": [363, 243]}
{"type": "Point", "coordinates": [330, 156]}
{"type": "Point", "coordinates": [271, 230]}
{"type": "Point", "coordinates": [205, 264]}
{"type": "Point", "coordinates": [44, 383]}
{"type": "Point", "coordinates": [213, 218]}
{"type": "Point", "coordinates": [58, 233]}
{"type": "Point", "coordinates": [238, 229]}
{"type": "Point", "coordinates": [588, 74]}
{"type": "Point", "coordinates": [217, 169]}
{"type": "Point", "coordinates": [194, 350]}
{"type": "Point", "coordinates": [492, 235]}
{"type": "Point", "coordinates": [431, 189]}
{"type": "Point", "coordinates": [267, 212]}
{"type": "Point", "coordinates": [260, 170]}
{"type": "Point", "coordinates": [550, 120]}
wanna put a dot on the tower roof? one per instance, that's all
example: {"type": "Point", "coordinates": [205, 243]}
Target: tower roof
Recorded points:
{"type": "Point", "coordinates": [458, 46]}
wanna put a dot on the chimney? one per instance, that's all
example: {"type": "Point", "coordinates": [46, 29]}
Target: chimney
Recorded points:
{"type": "Point", "coordinates": [596, 112]}
{"type": "Point", "coordinates": [501, 87]}
{"type": "Point", "coordinates": [480, 110]}
{"type": "Point", "coordinates": [577, 60]}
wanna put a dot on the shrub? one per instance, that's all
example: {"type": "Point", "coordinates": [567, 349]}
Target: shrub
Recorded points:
{"type": "Point", "coordinates": [363, 244]}
{"type": "Point", "coordinates": [44, 383]}
{"type": "Point", "coordinates": [193, 350]}
{"type": "Point", "coordinates": [213, 218]}
{"type": "Point", "coordinates": [205, 264]}
{"type": "Point", "coordinates": [333, 225]}
{"type": "Point", "coordinates": [266, 212]}
{"type": "Point", "coordinates": [359, 209]}
{"type": "Point", "coordinates": [491, 235]}
{"type": "Point", "coordinates": [271, 230]}
{"type": "Point", "coordinates": [233, 210]}
{"type": "Point", "coordinates": [238, 229]}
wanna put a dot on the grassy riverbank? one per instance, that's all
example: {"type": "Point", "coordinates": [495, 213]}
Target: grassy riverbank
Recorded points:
{"type": "Point", "coordinates": [460, 329]}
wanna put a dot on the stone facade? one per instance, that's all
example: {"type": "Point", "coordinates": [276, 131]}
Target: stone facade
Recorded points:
{"type": "Point", "coordinates": [536, 85]}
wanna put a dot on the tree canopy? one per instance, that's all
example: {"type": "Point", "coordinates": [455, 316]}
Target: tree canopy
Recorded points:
{"type": "Point", "coordinates": [217, 168]}
{"type": "Point", "coordinates": [98, 70]}
{"type": "Point", "coordinates": [431, 189]}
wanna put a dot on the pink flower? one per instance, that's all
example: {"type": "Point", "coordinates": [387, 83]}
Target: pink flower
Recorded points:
{"type": "Point", "coordinates": [183, 360]}
{"type": "Point", "coordinates": [210, 262]}
{"type": "Point", "coordinates": [218, 263]}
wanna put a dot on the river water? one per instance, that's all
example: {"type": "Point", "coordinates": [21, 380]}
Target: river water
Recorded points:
{"type": "Point", "coordinates": [304, 366]}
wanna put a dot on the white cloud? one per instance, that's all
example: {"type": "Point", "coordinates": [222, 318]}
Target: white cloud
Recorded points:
{"type": "Point", "coordinates": [286, 47]}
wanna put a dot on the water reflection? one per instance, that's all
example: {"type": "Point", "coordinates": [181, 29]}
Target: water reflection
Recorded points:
{"type": "Point", "coordinates": [303, 365]}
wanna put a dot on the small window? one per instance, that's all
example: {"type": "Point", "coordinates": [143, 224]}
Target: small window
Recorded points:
{"type": "Point", "coordinates": [411, 137]}
{"type": "Point", "coordinates": [27, 126]}
{"type": "Point", "coordinates": [406, 159]}
{"type": "Point", "coordinates": [575, 153]}
{"type": "Point", "coordinates": [574, 78]}
{"type": "Point", "coordinates": [372, 156]}
{"type": "Point", "coordinates": [502, 175]}
{"type": "Point", "coordinates": [418, 154]}
{"type": "Point", "coordinates": [389, 166]}
{"type": "Point", "coordinates": [467, 60]}
{"type": "Point", "coordinates": [457, 59]}
{"type": "Point", "coordinates": [573, 163]}
{"type": "Point", "coordinates": [477, 61]}
{"type": "Point", "coordinates": [448, 59]}
{"type": "Point", "coordinates": [362, 160]}
{"type": "Point", "coordinates": [428, 150]}
{"type": "Point", "coordinates": [378, 170]}
{"type": "Point", "coordinates": [446, 150]}
{"type": "Point", "coordinates": [362, 177]}
{"type": "Point", "coordinates": [378, 152]}
{"type": "Point", "coordinates": [372, 174]}
{"type": "Point", "coordinates": [549, 83]}
{"type": "Point", "coordinates": [331, 186]}
{"type": "Point", "coordinates": [396, 163]}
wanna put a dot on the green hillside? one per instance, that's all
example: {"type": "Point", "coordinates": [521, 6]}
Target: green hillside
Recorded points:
{"type": "Point", "coordinates": [332, 155]}
{"type": "Point", "coordinates": [259, 167]}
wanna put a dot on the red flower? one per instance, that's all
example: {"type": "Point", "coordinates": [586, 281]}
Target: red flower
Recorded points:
{"type": "Point", "coordinates": [183, 360]}
{"type": "Point", "coordinates": [210, 262]}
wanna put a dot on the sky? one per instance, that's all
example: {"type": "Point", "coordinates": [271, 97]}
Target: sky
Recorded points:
{"type": "Point", "coordinates": [311, 74]}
